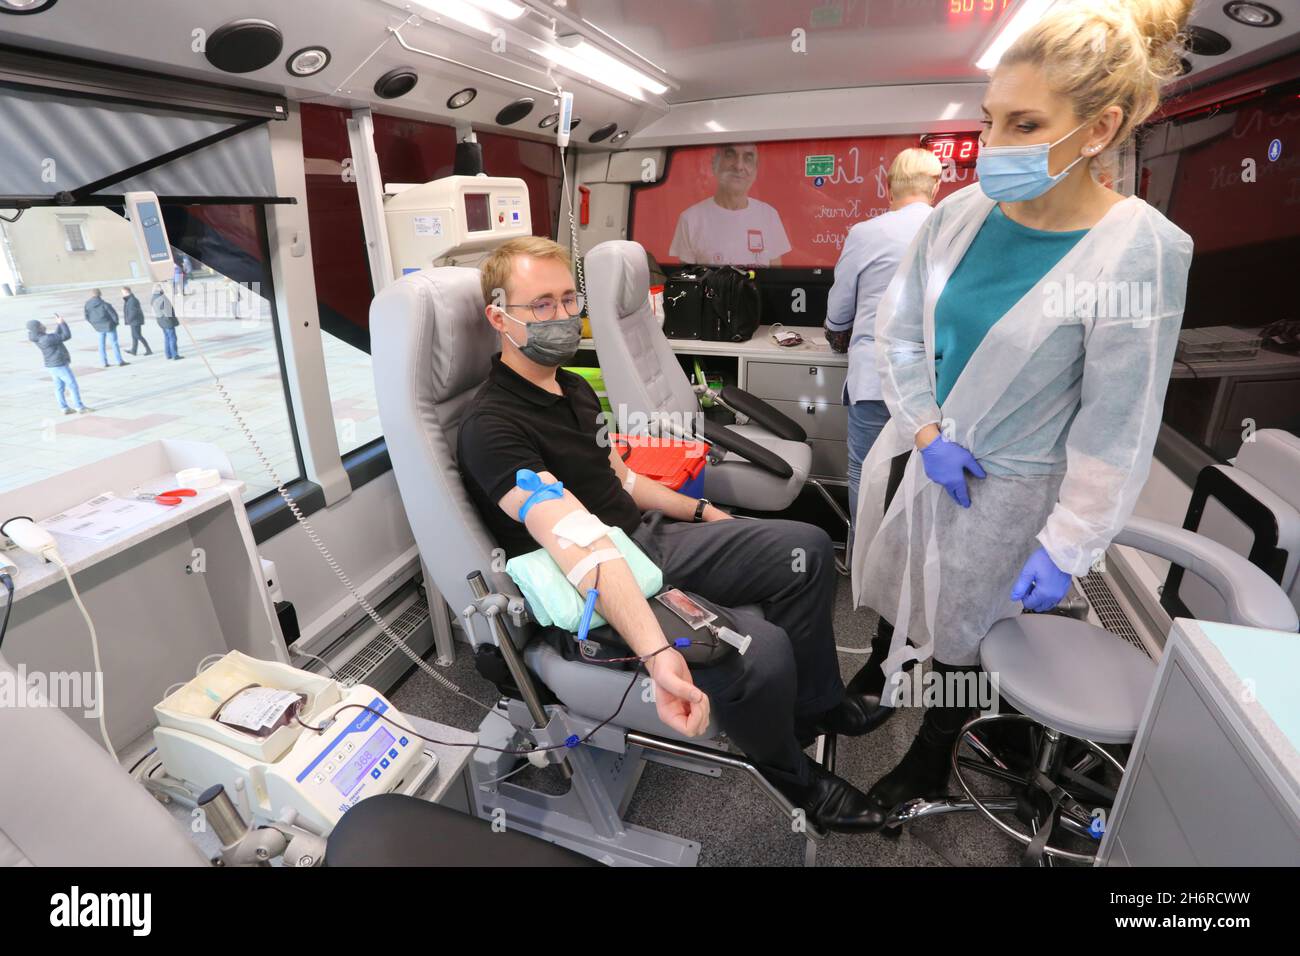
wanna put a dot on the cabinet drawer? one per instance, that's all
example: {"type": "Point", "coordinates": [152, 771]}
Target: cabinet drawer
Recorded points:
{"type": "Point", "coordinates": [830, 459]}
{"type": "Point", "coordinates": [819, 419]}
{"type": "Point", "coordinates": [795, 382]}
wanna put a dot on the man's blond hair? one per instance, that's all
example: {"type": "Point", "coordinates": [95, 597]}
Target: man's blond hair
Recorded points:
{"type": "Point", "coordinates": [499, 266]}
{"type": "Point", "coordinates": [914, 173]}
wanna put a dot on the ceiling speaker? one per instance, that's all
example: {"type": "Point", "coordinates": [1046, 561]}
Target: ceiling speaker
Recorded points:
{"type": "Point", "coordinates": [396, 83]}
{"type": "Point", "coordinates": [243, 46]}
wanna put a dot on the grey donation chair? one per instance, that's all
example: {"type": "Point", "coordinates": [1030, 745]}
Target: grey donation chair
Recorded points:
{"type": "Point", "coordinates": [761, 464]}
{"type": "Point", "coordinates": [65, 802]}
{"type": "Point", "coordinates": [432, 349]}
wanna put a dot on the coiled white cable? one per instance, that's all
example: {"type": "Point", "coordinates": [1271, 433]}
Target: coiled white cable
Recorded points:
{"type": "Point", "coordinates": [324, 551]}
{"type": "Point", "coordinates": [573, 229]}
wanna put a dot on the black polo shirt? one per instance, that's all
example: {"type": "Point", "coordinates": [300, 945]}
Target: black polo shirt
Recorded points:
{"type": "Point", "coordinates": [514, 424]}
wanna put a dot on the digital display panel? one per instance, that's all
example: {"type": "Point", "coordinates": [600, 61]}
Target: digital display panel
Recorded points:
{"type": "Point", "coordinates": [354, 770]}
{"type": "Point", "coordinates": [960, 149]}
{"type": "Point", "coordinates": [478, 217]}
{"type": "Point", "coordinates": [976, 10]}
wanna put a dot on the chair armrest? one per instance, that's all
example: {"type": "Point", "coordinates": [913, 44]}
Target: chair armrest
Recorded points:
{"type": "Point", "coordinates": [752, 452]}
{"type": "Point", "coordinates": [757, 410]}
{"type": "Point", "coordinates": [1253, 598]}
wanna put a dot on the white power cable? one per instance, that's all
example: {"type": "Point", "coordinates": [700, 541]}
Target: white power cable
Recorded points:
{"type": "Point", "coordinates": [325, 553]}
{"type": "Point", "coordinates": [53, 556]}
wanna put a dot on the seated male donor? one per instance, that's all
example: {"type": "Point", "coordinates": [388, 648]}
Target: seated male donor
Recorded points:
{"type": "Point", "coordinates": [530, 414]}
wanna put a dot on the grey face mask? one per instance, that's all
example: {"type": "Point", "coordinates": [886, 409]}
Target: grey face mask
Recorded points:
{"type": "Point", "coordinates": [553, 342]}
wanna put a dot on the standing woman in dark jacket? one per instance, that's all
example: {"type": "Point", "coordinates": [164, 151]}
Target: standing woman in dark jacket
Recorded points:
{"type": "Point", "coordinates": [165, 315]}
{"type": "Point", "coordinates": [133, 315]}
{"type": "Point", "coordinates": [57, 360]}
{"type": "Point", "coordinates": [103, 319]}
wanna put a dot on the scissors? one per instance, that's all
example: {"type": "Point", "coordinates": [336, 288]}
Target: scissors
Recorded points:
{"type": "Point", "coordinates": [169, 498]}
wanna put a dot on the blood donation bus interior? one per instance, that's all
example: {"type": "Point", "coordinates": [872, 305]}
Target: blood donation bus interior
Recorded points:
{"type": "Point", "coordinates": [597, 432]}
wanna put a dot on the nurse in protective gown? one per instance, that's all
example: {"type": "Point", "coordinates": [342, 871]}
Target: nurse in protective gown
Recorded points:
{"type": "Point", "coordinates": [1024, 347]}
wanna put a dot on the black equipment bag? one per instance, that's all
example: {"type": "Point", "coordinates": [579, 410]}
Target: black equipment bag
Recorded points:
{"type": "Point", "coordinates": [683, 306]}
{"type": "Point", "coordinates": [719, 304]}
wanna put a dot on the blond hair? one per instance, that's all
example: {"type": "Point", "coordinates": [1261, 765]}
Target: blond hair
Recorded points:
{"type": "Point", "coordinates": [914, 172]}
{"type": "Point", "coordinates": [1102, 53]}
{"type": "Point", "coordinates": [498, 267]}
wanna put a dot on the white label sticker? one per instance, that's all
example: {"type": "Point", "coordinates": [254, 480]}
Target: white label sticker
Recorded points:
{"type": "Point", "coordinates": [257, 707]}
{"type": "Point", "coordinates": [428, 226]}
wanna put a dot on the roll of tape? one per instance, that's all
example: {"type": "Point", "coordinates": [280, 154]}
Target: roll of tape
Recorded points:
{"type": "Point", "coordinates": [198, 478]}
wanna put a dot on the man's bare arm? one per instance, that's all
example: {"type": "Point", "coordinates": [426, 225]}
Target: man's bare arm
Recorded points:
{"type": "Point", "coordinates": [621, 603]}
{"type": "Point", "coordinates": [649, 495]}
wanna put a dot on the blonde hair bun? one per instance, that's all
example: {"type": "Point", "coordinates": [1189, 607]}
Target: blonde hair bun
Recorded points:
{"type": "Point", "coordinates": [1102, 53]}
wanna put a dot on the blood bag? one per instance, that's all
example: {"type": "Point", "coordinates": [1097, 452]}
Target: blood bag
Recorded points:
{"type": "Point", "coordinates": [261, 710]}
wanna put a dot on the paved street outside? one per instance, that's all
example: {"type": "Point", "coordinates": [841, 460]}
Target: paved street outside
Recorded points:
{"type": "Point", "coordinates": [153, 398]}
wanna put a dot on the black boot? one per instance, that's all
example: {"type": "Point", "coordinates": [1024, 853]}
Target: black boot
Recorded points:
{"type": "Point", "coordinates": [923, 771]}
{"type": "Point", "coordinates": [831, 802]}
{"type": "Point", "coordinates": [861, 711]}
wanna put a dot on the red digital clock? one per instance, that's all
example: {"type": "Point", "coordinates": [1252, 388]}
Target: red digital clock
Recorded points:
{"type": "Point", "coordinates": [958, 149]}
{"type": "Point", "coordinates": [974, 9]}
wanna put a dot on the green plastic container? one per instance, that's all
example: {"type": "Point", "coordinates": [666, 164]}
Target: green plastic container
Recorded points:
{"type": "Point", "coordinates": [595, 379]}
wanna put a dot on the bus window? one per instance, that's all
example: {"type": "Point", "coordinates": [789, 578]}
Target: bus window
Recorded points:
{"type": "Point", "coordinates": [88, 341]}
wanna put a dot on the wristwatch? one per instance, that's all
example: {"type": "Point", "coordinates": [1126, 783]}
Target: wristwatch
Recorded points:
{"type": "Point", "coordinates": [699, 509]}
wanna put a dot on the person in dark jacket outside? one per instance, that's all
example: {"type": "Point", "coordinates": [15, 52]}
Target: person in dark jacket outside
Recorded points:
{"type": "Point", "coordinates": [57, 360]}
{"type": "Point", "coordinates": [103, 319]}
{"type": "Point", "coordinates": [165, 315]}
{"type": "Point", "coordinates": [133, 316]}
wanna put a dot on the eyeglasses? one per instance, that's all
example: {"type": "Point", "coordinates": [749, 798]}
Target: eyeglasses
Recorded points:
{"type": "Point", "coordinates": [547, 307]}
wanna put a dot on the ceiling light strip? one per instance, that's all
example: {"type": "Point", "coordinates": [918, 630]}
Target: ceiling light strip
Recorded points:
{"type": "Point", "coordinates": [1029, 13]}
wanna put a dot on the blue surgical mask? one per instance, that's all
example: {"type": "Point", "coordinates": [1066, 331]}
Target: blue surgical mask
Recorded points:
{"type": "Point", "coordinates": [1018, 173]}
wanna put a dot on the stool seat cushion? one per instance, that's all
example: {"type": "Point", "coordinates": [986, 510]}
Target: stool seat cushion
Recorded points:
{"type": "Point", "coordinates": [1069, 675]}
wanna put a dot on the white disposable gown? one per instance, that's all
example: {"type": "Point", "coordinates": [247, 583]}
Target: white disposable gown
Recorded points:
{"type": "Point", "coordinates": [1060, 403]}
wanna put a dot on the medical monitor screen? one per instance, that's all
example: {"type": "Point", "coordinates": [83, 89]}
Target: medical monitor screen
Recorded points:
{"type": "Point", "coordinates": [478, 215]}
{"type": "Point", "coordinates": [371, 751]}
{"type": "Point", "coordinates": [769, 204]}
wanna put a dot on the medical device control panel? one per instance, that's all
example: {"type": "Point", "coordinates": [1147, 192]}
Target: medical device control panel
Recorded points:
{"type": "Point", "coordinates": [457, 220]}
{"type": "Point", "coordinates": [345, 743]}
{"type": "Point", "coordinates": [362, 755]}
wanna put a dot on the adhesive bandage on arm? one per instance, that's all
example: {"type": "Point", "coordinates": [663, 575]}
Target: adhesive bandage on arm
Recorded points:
{"type": "Point", "coordinates": [581, 528]}
{"type": "Point", "coordinates": [630, 481]}
{"type": "Point", "coordinates": [580, 570]}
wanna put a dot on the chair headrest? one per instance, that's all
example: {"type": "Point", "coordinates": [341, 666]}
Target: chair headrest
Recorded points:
{"type": "Point", "coordinates": [626, 262]}
{"type": "Point", "coordinates": [440, 313]}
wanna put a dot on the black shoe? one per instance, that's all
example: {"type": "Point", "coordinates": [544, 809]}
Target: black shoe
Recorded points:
{"type": "Point", "coordinates": [923, 772]}
{"type": "Point", "coordinates": [831, 802]}
{"type": "Point", "coordinates": [866, 688]}
{"type": "Point", "coordinates": [855, 715]}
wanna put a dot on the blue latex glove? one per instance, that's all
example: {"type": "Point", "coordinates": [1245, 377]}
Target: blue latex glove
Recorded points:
{"type": "Point", "coordinates": [1041, 584]}
{"type": "Point", "coordinates": [946, 463]}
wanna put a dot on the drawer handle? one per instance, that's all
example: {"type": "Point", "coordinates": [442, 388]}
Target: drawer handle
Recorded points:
{"type": "Point", "coordinates": [813, 370]}
{"type": "Point", "coordinates": [811, 409]}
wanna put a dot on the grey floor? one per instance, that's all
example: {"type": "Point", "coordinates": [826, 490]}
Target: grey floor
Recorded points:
{"type": "Point", "coordinates": [734, 824]}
